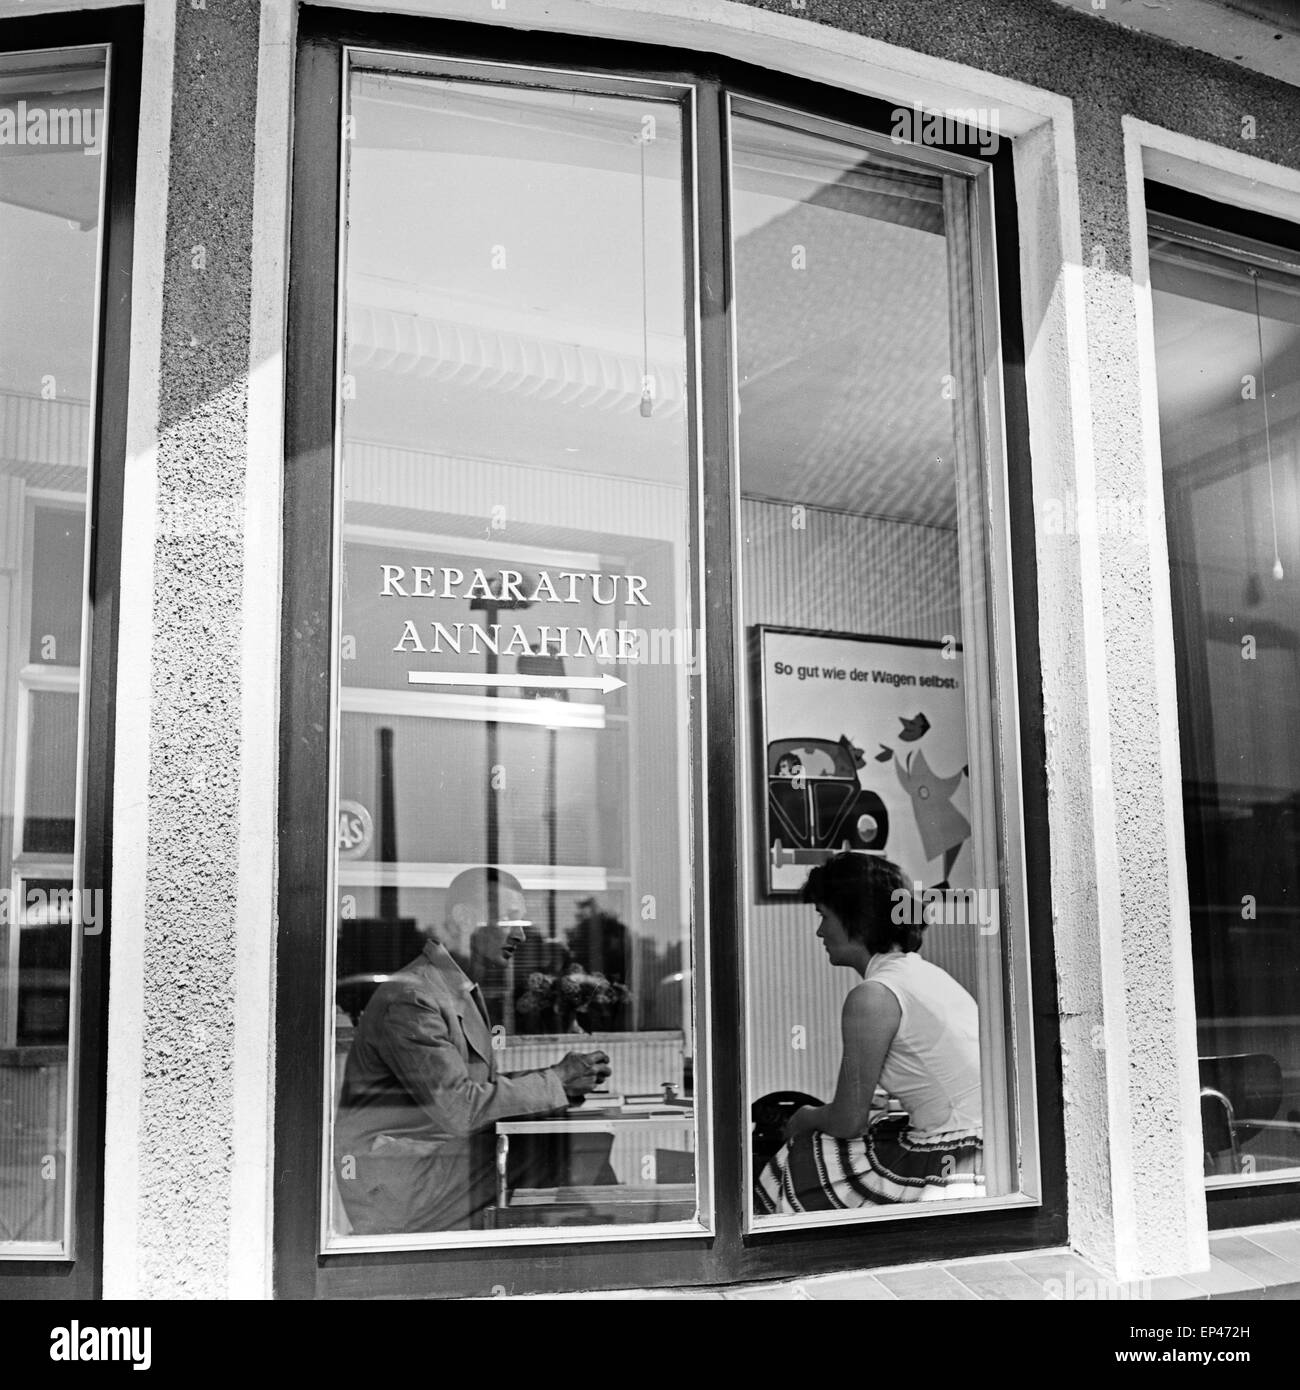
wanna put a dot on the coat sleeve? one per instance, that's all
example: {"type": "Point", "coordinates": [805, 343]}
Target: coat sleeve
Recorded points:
{"type": "Point", "coordinates": [417, 1045]}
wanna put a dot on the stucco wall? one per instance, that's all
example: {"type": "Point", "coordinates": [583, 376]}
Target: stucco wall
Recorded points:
{"type": "Point", "coordinates": [175, 939]}
{"type": "Point", "coordinates": [180, 1019]}
{"type": "Point", "coordinates": [194, 778]}
{"type": "Point", "coordinates": [1107, 70]}
{"type": "Point", "coordinates": [1124, 1046]}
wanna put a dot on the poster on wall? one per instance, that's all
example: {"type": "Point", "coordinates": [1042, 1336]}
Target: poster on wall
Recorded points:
{"type": "Point", "coordinates": [863, 748]}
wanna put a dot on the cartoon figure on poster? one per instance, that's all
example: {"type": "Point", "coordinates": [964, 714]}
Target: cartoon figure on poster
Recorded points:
{"type": "Point", "coordinates": [825, 700]}
{"type": "Point", "coordinates": [942, 827]}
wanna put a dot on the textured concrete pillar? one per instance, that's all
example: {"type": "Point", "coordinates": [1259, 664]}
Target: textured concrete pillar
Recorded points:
{"type": "Point", "coordinates": [190, 1037]}
{"type": "Point", "coordinates": [1122, 938]}
{"type": "Point", "coordinates": [187, 1160]}
{"type": "Point", "coordinates": [1150, 1026]}
{"type": "Point", "coordinates": [1128, 1026]}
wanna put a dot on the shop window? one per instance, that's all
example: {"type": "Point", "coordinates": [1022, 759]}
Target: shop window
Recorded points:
{"type": "Point", "coordinates": [868, 599]}
{"type": "Point", "coordinates": [67, 161]}
{"type": "Point", "coordinates": [515, 643]}
{"type": "Point", "coordinates": [1227, 325]}
{"type": "Point", "coordinates": [52, 163]}
{"type": "Point", "coordinates": [653, 406]}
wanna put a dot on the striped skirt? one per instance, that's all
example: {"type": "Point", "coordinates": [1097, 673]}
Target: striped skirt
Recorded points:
{"type": "Point", "coordinates": [818, 1172]}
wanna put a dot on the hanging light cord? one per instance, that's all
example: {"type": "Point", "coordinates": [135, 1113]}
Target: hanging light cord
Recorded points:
{"type": "Point", "coordinates": [646, 397]}
{"type": "Point", "coordinates": [1268, 437]}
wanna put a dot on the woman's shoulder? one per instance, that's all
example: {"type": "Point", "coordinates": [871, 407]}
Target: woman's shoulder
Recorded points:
{"type": "Point", "coordinates": [865, 990]}
{"type": "Point", "coordinates": [889, 966]}
{"type": "Point", "coordinates": [940, 994]}
{"type": "Point", "coordinates": [885, 975]}
{"type": "Point", "coordinates": [909, 973]}
{"type": "Point", "coordinates": [872, 1005]}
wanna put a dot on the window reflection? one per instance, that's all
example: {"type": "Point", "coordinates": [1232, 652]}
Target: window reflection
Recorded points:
{"type": "Point", "coordinates": [51, 129]}
{"type": "Point", "coordinates": [1228, 356]}
{"type": "Point", "coordinates": [874, 981]}
{"type": "Point", "coordinates": [515, 650]}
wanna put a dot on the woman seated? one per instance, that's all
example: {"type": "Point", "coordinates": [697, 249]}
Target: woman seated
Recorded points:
{"type": "Point", "coordinates": [908, 1028]}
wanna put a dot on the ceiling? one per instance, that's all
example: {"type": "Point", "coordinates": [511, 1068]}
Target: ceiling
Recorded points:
{"type": "Point", "coordinates": [540, 359]}
{"type": "Point", "coordinates": [1263, 35]}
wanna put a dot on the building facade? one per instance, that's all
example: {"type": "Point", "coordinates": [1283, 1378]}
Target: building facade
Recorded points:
{"type": "Point", "coordinates": [645, 450]}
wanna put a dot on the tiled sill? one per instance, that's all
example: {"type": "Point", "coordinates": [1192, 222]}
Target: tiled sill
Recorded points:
{"type": "Point", "coordinates": [1262, 1262]}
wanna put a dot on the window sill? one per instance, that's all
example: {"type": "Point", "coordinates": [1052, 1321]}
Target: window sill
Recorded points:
{"type": "Point", "coordinates": [1263, 1262]}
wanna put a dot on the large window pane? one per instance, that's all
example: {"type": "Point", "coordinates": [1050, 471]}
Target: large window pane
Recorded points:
{"type": "Point", "coordinates": [51, 167]}
{"type": "Point", "coordinates": [866, 611]}
{"type": "Point", "coordinates": [515, 665]}
{"type": "Point", "coordinates": [1228, 354]}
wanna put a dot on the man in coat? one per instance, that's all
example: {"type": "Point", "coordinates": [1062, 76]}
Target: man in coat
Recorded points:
{"type": "Point", "coordinates": [414, 1142]}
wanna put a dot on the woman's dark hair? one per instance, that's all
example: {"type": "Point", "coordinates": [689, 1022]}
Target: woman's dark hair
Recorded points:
{"type": "Point", "coordinates": [871, 898]}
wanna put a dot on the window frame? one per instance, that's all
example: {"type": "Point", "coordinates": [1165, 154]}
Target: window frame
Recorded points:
{"type": "Point", "coordinates": [1260, 239]}
{"type": "Point", "coordinates": [77, 1273]}
{"type": "Point", "coordinates": [998, 826]}
{"type": "Point", "coordinates": [682, 97]}
{"type": "Point", "coordinates": [729, 1254]}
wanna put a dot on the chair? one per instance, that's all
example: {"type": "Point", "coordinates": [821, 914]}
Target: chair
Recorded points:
{"type": "Point", "coordinates": [369, 949]}
{"type": "Point", "coordinates": [1240, 1093]}
{"type": "Point", "coordinates": [769, 1114]}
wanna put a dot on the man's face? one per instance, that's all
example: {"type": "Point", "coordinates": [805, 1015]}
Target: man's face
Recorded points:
{"type": "Point", "coordinates": [497, 936]}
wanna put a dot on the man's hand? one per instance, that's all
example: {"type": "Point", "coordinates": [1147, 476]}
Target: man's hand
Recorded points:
{"type": "Point", "coordinates": [580, 1072]}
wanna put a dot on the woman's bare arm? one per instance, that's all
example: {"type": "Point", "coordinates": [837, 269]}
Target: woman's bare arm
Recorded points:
{"type": "Point", "coordinates": [869, 1024]}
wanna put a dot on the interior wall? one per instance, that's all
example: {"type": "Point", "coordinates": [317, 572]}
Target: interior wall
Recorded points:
{"type": "Point", "coordinates": [852, 574]}
{"type": "Point", "coordinates": [637, 525]}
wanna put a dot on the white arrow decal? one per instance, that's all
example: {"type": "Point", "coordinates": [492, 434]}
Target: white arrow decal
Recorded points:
{"type": "Point", "coordinates": [601, 683]}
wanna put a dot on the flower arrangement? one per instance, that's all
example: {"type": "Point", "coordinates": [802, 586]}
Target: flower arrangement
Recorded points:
{"type": "Point", "coordinates": [569, 997]}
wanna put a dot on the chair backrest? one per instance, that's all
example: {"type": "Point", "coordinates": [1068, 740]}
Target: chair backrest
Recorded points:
{"type": "Point", "coordinates": [369, 947]}
{"type": "Point", "coordinates": [1216, 1131]}
{"type": "Point", "coordinates": [1252, 1084]}
{"type": "Point", "coordinates": [769, 1114]}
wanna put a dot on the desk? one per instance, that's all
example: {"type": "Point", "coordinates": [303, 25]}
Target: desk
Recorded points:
{"type": "Point", "coordinates": [627, 1119]}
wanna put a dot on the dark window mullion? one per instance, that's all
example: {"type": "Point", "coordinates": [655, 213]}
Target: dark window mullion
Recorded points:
{"type": "Point", "coordinates": [306, 648]}
{"type": "Point", "coordinates": [104, 559]}
{"type": "Point", "coordinates": [722, 754]}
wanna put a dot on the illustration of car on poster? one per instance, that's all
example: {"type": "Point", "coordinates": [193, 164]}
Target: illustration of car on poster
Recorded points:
{"type": "Point", "coordinates": [864, 748]}
{"type": "Point", "coordinates": [816, 806]}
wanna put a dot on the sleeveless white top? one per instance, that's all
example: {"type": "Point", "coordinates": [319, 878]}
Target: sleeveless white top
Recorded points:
{"type": "Point", "coordinates": [933, 1064]}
